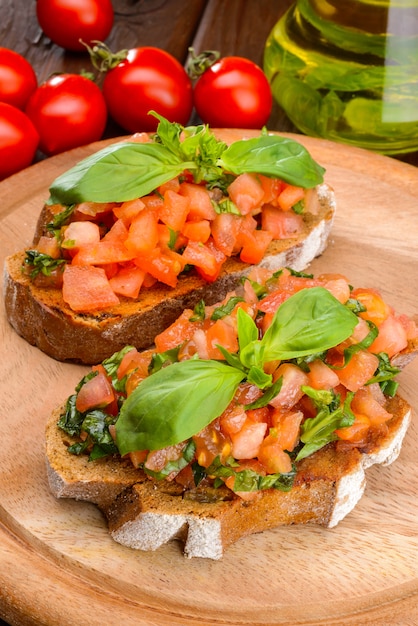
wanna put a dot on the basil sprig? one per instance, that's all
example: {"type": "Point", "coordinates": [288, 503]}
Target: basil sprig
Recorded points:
{"type": "Point", "coordinates": [178, 401]}
{"type": "Point", "coordinates": [128, 170]}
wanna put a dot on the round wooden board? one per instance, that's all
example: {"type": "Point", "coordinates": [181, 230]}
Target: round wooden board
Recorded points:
{"type": "Point", "coordinates": [58, 565]}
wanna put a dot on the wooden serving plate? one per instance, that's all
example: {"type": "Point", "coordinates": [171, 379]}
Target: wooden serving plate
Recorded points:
{"type": "Point", "coordinates": [58, 565]}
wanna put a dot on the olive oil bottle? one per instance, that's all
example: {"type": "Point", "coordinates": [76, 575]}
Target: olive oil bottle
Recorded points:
{"type": "Point", "coordinates": [347, 70]}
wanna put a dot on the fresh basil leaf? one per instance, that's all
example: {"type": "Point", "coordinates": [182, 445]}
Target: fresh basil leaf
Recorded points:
{"type": "Point", "coordinates": [120, 172]}
{"type": "Point", "coordinates": [226, 309]}
{"type": "Point", "coordinates": [247, 329]}
{"type": "Point", "coordinates": [61, 218]}
{"type": "Point", "coordinates": [175, 403]}
{"type": "Point", "coordinates": [162, 359]}
{"type": "Point", "coordinates": [275, 156]}
{"type": "Point", "coordinates": [71, 419]}
{"type": "Point", "coordinates": [111, 366]}
{"type": "Point", "coordinates": [199, 312]}
{"type": "Point", "coordinates": [310, 321]}
{"type": "Point", "coordinates": [385, 371]}
{"type": "Point", "coordinates": [41, 263]}
{"type": "Point", "coordinates": [318, 431]}
{"type": "Point", "coordinates": [249, 480]}
{"type": "Point", "coordinates": [231, 359]}
{"type": "Point", "coordinates": [267, 395]}
{"type": "Point", "coordinates": [259, 290]}
{"type": "Point", "coordinates": [257, 376]}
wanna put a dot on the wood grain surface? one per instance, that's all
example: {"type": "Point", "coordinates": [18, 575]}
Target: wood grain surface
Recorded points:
{"type": "Point", "coordinates": [58, 565]}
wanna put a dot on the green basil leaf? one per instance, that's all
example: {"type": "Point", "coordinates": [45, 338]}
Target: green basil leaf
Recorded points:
{"type": "Point", "coordinates": [257, 376]}
{"type": "Point", "coordinates": [310, 321]}
{"type": "Point", "coordinates": [120, 172]}
{"type": "Point", "coordinates": [247, 329]}
{"type": "Point", "coordinates": [226, 309]}
{"type": "Point", "coordinates": [267, 395]}
{"type": "Point", "coordinates": [275, 156]}
{"type": "Point", "coordinates": [175, 403]}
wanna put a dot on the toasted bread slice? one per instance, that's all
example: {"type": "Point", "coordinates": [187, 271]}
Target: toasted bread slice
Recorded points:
{"type": "Point", "coordinates": [144, 516]}
{"type": "Point", "coordinates": [41, 316]}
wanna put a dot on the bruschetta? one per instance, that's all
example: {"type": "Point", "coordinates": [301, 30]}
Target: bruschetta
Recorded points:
{"type": "Point", "coordinates": [262, 410]}
{"type": "Point", "coordinates": [147, 227]}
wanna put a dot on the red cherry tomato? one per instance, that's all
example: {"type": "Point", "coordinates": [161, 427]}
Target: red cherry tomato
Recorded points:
{"type": "Point", "coordinates": [68, 111]}
{"type": "Point", "coordinates": [65, 22]}
{"type": "Point", "coordinates": [233, 93]}
{"type": "Point", "coordinates": [18, 140]}
{"type": "Point", "coordinates": [17, 78]}
{"type": "Point", "coordinates": [148, 79]}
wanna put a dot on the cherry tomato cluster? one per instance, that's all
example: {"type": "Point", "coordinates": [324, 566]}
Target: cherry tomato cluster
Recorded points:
{"type": "Point", "coordinates": [70, 110]}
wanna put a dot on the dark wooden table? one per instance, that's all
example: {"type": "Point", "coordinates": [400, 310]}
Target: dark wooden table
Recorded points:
{"type": "Point", "coordinates": [234, 27]}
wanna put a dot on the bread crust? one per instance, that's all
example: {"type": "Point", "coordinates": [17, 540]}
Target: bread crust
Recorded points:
{"type": "Point", "coordinates": [41, 316]}
{"type": "Point", "coordinates": [144, 515]}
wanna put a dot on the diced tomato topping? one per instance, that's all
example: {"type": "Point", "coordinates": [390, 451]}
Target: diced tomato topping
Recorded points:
{"type": "Point", "coordinates": [143, 233]}
{"type": "Point", "coordinates": [201, 207]}
{"type": "Point", "coordinates": [286, 426]}
{"type": "Point", "coordinates": [48, 245]}
{"type": "Point", "coordinates": [321, 376]}
{"type": "Point", "coordinates": [255, 246]}
{"type": "Point", "coordinates": [197, 231]}
{"type": "Point", "coordinates": [281, 224]}
{"type": "Point", "coordinates": [392, 337]}
{"type": "Point", "coordinates": [97, 392]}
{"type": "Point", "coordinates": [128, 281]}
{"type": "Point", "coordinates": [86, 288]}
{"type": "Point", "coordinates": [272, 456]}
{"type": "Point", "coordinates": [224, 334]}
{"type": "Point", "coordinates": [290, 196]}
{"type": "Point", "coordinates": [78, 234]}
{"type": "Point", "coordinates": [225, 230]}
{"type": "Point", "coordinates": [128, 210]}
{"type": "Point", "coordinates": [134, 360]}
{"type": "Point", "coordinates": [365, 402]}
{"type": "Point", "coordinates": [246, 192]}
{"type": "Point", "coordinates": [246, 443]}
{"type": "Point", "coordinates": [174, 210]}
{"type": "Point", "coordinates": [118, 232]}
{"type": "Point", "coordinates": [357, 431]}
{"type": "Point", "coordinates": [290, 392]}
{"type": "Point", "coordinates": [161, 266]}
{"type": "Point", "coordinates": [178, 332]}
{"type": "Point", "coordinates": [376, 308]}
{"type": "Point", "coordinates": [210, 443]}
{"type": "Point", "coordinates": [109, 251]}
{"type": "Point", "coordinates": [272, 188]}
{"type": "Point", "coordinates": [173, 185]}
{"type": "Point", "coordinates": [358, 371]}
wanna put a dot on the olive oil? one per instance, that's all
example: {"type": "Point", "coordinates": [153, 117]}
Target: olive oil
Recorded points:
{"type": "Point", "coordinates": [347, 70]}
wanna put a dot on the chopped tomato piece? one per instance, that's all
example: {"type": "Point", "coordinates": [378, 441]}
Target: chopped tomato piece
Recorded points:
{"type": "Point", "coordinates": [49, 245]}
{"type": "Point", "coordinates": [225, 230]}
{"type": "Point", "coordinates": [290, 196]}
{"type": "Point", "coordinates": [173, 185]}
{"type": "Point", "coordinates": [138, 457]}
{"type": "Point", "coordinates": [273, 457]}
{"type": "Point", "coordinates": [210, 443]}
{"type": "Point", "coordinates": [321, 376]}
{"type": "Point", "coordinates": [364, 402]}
{"type": "Point", "coordinates": [224, 334]}
{"type": "Point", "coordinates": [128, 210]}
{"type": "Point", "coordinates": [272, 188]}
{"type": "Point", "coordinates": [282, 224]}
{"type": "Point", "coordinates": [206, 272]}
{"type": "Point", "coordinates": [201, 207]}
{"type": "Point", "coordinates": [86, 288]}
{"type": "Point", "coordinates": [134, 360]}
{"type": "Point", "coordinates": [106, 251]}
{"type": "Point", "coordinates": [246, 192]}
{"type": "Point", "coordinates": [286, 427]}
{"type": "Point", "coordinates": [200, 255]}
{"type": "Point", "coordinates": [392, 337]}
{"type": "Point", "coordinates": [143, 233]}
{"type": "Point", "coordinates": [246, 443]}
{"type": "Point", "coordinates": [376, 309]}
{"type": "Point", "coordinates": [161, 266]}
{"type": "Point", "coordinates": [79, 234]}
{"type": "Point", "coordinates": [174, 210]}
{"type": "Point", "coordinates": [290, 392]}
{"type": "Point", "coordinates": [97, 392]}
{"type": "Point", "coordinates": [255, 246]}
{"type": "Point", "coordinates": [178, 332]}
{"type": "Point", "coordinates": [358, 370]}
{"type": "Point", "coordinates": [117, 232]}
{"type": "Point", "coordinates": [232, 419]}
{"type": "Point", "coordinates": [128, 281]}
{"type": "Point", "coordinates": [197, 231]}
{"type": "Point", "coordinates": [357, 431]}
{"type": "Point", "coordinates": [339, 288]}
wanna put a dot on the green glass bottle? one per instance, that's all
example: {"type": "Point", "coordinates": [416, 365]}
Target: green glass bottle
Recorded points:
{"type": "Point", "coordinates": [347, 70]}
